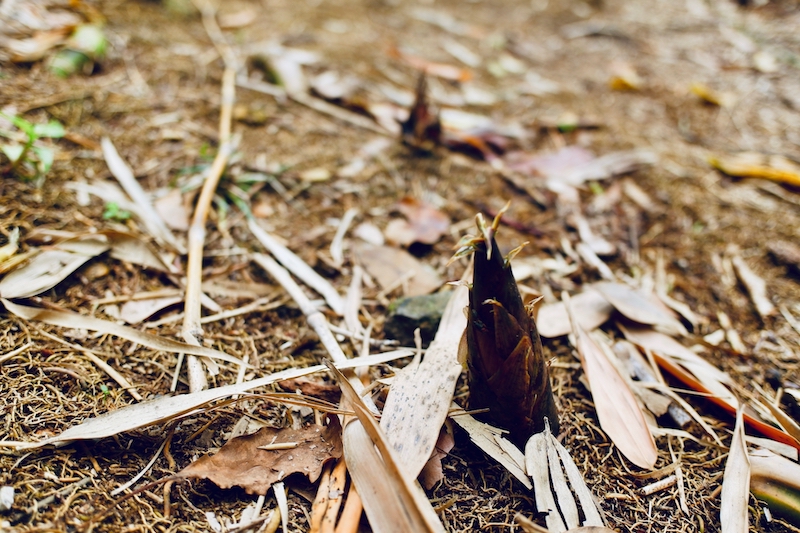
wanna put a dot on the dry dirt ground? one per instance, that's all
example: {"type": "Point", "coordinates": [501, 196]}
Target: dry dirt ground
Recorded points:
{"type": "Point", "coordinates": [156, 94]}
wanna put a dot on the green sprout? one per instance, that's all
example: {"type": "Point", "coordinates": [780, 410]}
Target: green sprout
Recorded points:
{"type": "Point", "coordinates": [113, 212]}
{"type": "Point", "coordinates": [26, 156]}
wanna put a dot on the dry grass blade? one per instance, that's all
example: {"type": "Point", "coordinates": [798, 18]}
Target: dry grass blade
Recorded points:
{"type": "Point", "coordinates": [297, 266]}
{"type": "Point", "coordinates": [169, 407]}
{"type": "Point", "coordinates": [150, 217]}
{"type": "Point", "coordinates": [736, 483]}
{"type": "Point", "coordinates": [68, 319]}
{"type": "Point", "coordinates": [421, 393]}
{"type": "Point", "coordinates": [404, 506]}
{"type": "Point", "coordinates": [617, 409]}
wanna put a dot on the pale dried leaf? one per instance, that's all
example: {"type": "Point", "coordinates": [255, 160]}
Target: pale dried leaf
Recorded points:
{"type": "Point", "coordinates": [590, 307]}
{"type": "Point", "coordinates": [409, 509]}
{"type": "Point", "coordinates": [736, 483]}
{"type": "Point", "coordinates": [588, 506]}
{"type": "Point", "coordinates": [173, 210]}
{"type": "Point", "coordinates": [418, 400]}
{"type": "Point", "coordinates": [150, 218]}
{"type": "Point", "coordinates": [242, 462]}
{"type": "Point", "coordinates": [135, 311]}
{"type": "Point", "coordinates": [617, 409]}
{"type": "Point", "coordinates": [68, 319]}
{"type": "Point", "coordinates": [638, 307]}
{"type": "Point", "coordinates": [132, 249]}
{"type": "Point", "coordinates": [488, 439]}
{"type": "Point", "coordinates": [50, 267]}
{"type": "Point", "coordinates": [297, 266]}
{"type": "Point", "coordinates": [390, 266]}
{"type": "Point", "coordinates": [537, 466]}
{"type": "Point", "coordinates": [756, 287]}
{"type": "Point", "coordinates": [169, 407]}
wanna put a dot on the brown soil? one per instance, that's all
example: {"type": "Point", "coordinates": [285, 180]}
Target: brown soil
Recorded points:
{"type": "Point", "coordinates": [161, 63]}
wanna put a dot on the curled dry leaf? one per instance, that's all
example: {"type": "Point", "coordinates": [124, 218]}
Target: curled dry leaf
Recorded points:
{"type": "Point", "coordinates": [507, 370]}
{"type": "Point", "coordinates": [776, 480]}
{"type": "Point", "coordinates": [50, 267]}
{"type": "Point", "coordinates": [254, 462]}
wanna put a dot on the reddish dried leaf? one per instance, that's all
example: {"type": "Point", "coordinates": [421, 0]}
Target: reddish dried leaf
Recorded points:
{"type": "Point", "coordinates": [428, 223]}
{"type": "Point", "coordinates": [329, 392]}
{"type": "Point", "coordinates": [432, 472]}
{"type": "Point", "coordinates": [242, 463]}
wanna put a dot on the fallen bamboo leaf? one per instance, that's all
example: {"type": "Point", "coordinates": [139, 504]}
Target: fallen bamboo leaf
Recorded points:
{"type": "Point", "coordinates": [392, 501]}
{"type": "Point", "coordinates": [68, 319]}
{"type": "Point", "coordinates": [427, 223]}
{"type": "Point", "coordinates": [169, 407]}
{"type": "Point", "coordinates": [591, 308]}
{"type": "Point", "coordinates": [297, 266]}
{"type": "Point", "coordinates": [617, 409]}
{"type": "Point", "coordinates": [138, 310]}
{"type": "Point", "coordinates": [736, 483]}
{"type": "Point", "coordinates": [639, 308]}
{"type": "Point", "coordinates": [241, 462]}
{"type": "Point", "coordinates": [756, 287]}
{"type": "Point", "coordinates": [50, 267]}
{"type": "Point", "coordinates": [547, 462]}
{"type": "Point", "coordinates": [150, 217]}
{"type": "Point", "coordinates": [420, 395]}
{"type": "Point", "coordinates": [490, 439]}
{"type": "Point", "coordinates": [755, 165]}
{"type": "Point", "coordinates": [776, 480]}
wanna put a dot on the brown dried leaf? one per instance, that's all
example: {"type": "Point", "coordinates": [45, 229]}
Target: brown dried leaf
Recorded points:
{"type": "Point", "coordinates": [617, 409]}
{"type": "Point", "coordinates": [389, 266]}
{"type": "Point", "coordinates": [638, 307]}
{"type": "Point", "coordinates": [432, 472]}
{"type": "Point", "coordinates": [427, 222]}
{"type": "Point", "coordinates": [242, 462]}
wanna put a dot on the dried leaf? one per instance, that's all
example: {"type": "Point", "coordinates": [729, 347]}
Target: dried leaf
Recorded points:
{"type": "Point", "coordinates": [638, 307]}
{"type": "Point", "coordinates": [736, 483]}
{"type": "Point", "coordinates": [135, 311]}
{"type": "Point", "coordinates": [590, 307]}
{"type": "Point", "coordinates": [537, 466]}
{"type": "Point", "coordinates": [490, 439]}
{"type": "Point", "coordinates": [169, 407]}
{"type": "Point", "coordinates": [617, 409]}
{"type": "Point", "coordinates": [392, 501]}
{"type": "Point", "coordinates": [440, 70]}
{"type": "Point", "coordinates": [776, 480]}
{"type": "Point", "coordinates": [420, 395]}
{"type": "Point", "coordinates": [68, 319]}
{"type": "Point", "coordinates": [432, 472]}
{"type": "Point", "coordinates": [173, 210]}
{"type": "Point", "coordinates": [150, 217]}
{"type": "Point", "coordinates": [756, 287]}
{"type": "Point", "coordinates": [391, 267]}
{"type": "Point", "coordinates": [50, 267]}
{"type": "Point", "coordinates": [250, 463]}
{"type": "Point", "coordinates": [428, 223]}
{"type": "Point", "coordinates": [755, 165]}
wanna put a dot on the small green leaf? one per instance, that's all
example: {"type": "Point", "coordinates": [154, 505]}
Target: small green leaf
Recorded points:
{"type": "Point", "coordinates": [113, 212]}
{"type": "Point", "coordinates": [46, 157]}
{"type": "Point", "coordinates": [12, 151]}
{"type": "Point", "coordinates": [52, 129]}
{"type": "Point", "coordinates": [24, 125]}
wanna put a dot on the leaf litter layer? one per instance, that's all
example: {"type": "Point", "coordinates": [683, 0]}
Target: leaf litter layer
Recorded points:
{"type": "Point", "coordinates": [157, 95]}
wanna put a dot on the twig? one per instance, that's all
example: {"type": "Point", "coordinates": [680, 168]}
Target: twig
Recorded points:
{"type": "Point", "coordinates": [197, 234]}
{"type": "Point", "coordinates": [58, 494]}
